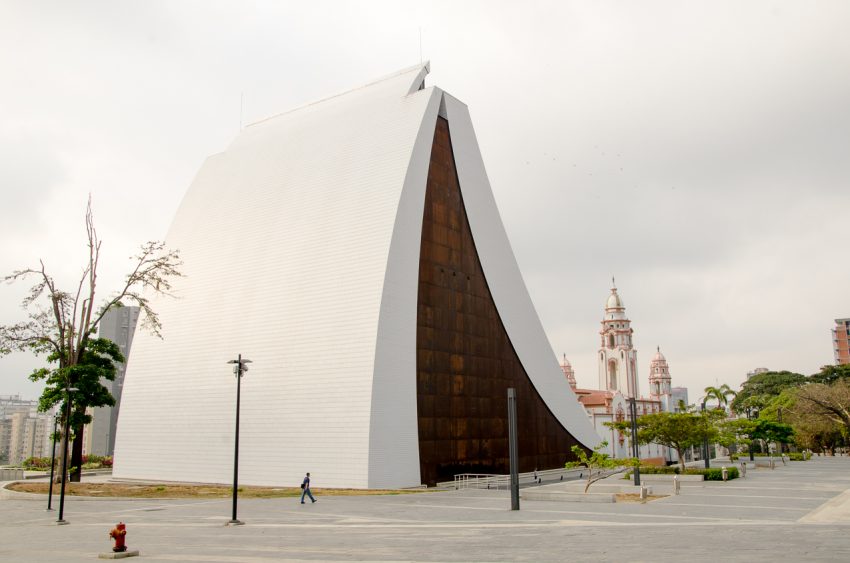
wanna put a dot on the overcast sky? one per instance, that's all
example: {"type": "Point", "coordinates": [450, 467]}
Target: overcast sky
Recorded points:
{"type": "Point", "coordinates": [698, 151]}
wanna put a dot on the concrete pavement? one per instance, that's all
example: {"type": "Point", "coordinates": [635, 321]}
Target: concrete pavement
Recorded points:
{"type": "Point", "coordinates": [799, 512]}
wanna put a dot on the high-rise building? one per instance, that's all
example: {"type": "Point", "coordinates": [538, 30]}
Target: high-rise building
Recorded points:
{"type": "Point", "coordinates": [117, 325]}
{"type": "Point", "coordinates": [24, 431]}
{"type": "Point", "coordinates": [841, 341]}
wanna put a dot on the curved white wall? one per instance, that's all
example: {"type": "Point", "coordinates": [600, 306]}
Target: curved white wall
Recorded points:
{"type": "Point", "coordinates": [301, 246]}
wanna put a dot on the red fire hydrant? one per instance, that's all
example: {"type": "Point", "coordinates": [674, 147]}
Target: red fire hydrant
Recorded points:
{"type": "Point", "coordinates": [118, 533]}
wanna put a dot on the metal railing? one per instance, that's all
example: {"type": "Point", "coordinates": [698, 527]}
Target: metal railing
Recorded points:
{"type": "Point", "coordinates": [496, 481]}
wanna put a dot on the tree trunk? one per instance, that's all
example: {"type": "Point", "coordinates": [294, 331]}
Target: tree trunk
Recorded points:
{"type": "Point", "coordinates": [681, 461]}
{"type": "Point", "coordinates": [60, 452]}
{"type": "Point", "coordinates": [77, 456]}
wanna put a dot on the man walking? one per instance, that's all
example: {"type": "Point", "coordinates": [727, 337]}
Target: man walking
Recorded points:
{"type": "Point", "coordinates": [305, 486]}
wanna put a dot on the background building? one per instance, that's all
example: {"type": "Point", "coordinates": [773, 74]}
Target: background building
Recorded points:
{"type": "Point", "coordinates": [841, 341]}
{"type": "Point", "coordinates": [618, 378]}
{"type": "Point", "coordinates": [679, 397]}
{"type": "Point", "coordinates": [24, 431]}
{"type": "Point", "coordinates": [756, 371]}
{"type": "Point", "coordinates": [117, 325]}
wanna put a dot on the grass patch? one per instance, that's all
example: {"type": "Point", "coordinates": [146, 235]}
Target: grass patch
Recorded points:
{"type": "Point", "coordinates": [189, 491]}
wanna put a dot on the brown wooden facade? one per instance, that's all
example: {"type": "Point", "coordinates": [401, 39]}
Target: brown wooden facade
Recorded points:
{"type": "Point", "coordinates": [465, 360]}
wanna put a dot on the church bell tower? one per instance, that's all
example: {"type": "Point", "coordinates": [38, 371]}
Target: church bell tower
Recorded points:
{"type": "Point", "coordinates": [617, 356]}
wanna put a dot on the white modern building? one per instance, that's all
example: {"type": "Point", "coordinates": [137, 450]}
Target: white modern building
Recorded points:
{"type": "Point", "coordinates": [352, 249]}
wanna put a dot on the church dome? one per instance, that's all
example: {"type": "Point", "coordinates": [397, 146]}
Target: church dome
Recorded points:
{"type": "Point", "coordinates": [614, 301]}
{"type": "Point", "coordinates": [659, 357]}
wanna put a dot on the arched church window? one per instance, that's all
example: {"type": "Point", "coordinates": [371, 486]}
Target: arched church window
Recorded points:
{"type": "Point", "coordinates": [612, 374]}
{"type": "Point", "coordinates": [610, 340]}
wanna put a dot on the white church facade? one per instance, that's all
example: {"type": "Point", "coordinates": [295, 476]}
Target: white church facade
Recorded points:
{"type": "Point", "coordinates": [619, 384]}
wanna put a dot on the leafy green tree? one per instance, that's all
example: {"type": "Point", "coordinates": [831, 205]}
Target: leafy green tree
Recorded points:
{"type": "Point", "coordinates": [749, 431]}
{"type": "Point", "coordinates": [830, 374]}
{"type": "Point", "coordinates": [676, 430]}
{"type": "Point", "coordinates": [97, 364]}
{"type": "Point", "coordinates": [769, 431]}
{"type": "Point", "coordinates": [758, 390]}
{"type": "Point", "coordinates": [599, 464]}
{"type": "Point", "coordinates": [61, 324]}
{"type": "Point", "coordinates": [737, 431]}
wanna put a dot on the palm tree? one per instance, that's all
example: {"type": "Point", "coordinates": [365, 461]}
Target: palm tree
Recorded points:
{"type": "Point", "coordinates": [720, 394]}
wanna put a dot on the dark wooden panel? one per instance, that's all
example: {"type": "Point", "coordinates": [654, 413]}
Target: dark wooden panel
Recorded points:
{"type": "Point", "coordinates": [465, 361]}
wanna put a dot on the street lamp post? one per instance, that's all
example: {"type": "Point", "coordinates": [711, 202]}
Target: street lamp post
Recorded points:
{"type": "Point", "coordinates": [68, 391]}
{"type": "Point", "coordinates": [705, 442]}
{"type": "Point", "coordinates": [238, 369]}
{"type": "Point", "coordinates": [52, 462]}
{"type": "Point", "coordinates": [752, 442]}
{"type": "Point", "coordinates": [635, 447]}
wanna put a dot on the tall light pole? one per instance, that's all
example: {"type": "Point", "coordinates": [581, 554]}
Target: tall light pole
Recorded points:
{"type": "Point", "coordinates": [513, 449]}
{"type": "Point", "coordinates": [752, 442]}
{"type": "Point", "coordinates": [635, 447]}
{"type": "Point", "coordinates": [238, 369]}
{"type": "Point", "coordinates": [52, 461]}
{"type": "Point", "coordinates": [705, 441]}
{"type": "Point", "coordinates": [68, 391]}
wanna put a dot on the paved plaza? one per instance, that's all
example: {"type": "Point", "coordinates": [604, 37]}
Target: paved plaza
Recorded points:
{"type": "Point", "coordinates": [798, 512]}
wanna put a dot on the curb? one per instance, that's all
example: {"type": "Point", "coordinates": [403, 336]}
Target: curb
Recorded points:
{"type": "Point", "coordinates": [6, 494]}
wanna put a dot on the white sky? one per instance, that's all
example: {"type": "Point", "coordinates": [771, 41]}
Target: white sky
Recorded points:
{"type": "Point", "coordinates": [698, 151]}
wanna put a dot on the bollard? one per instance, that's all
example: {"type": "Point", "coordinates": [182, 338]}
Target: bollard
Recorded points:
{"type": "Point", "coordinates": [642, 492]}
{"type": "Point", "coordinates": [725, 473]}
{"type": "Point", "coordinates": [676, 484]}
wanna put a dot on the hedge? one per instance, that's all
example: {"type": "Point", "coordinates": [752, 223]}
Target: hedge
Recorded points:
{"type": "Point", "coordinates": [792, 456]}
{"type": "Point", "coordinates": [711, 474]}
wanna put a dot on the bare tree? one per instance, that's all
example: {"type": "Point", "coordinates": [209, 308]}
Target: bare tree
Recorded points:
{"type": "Point", "coordinates": [829, 402]}
{"type": "Point", "coordinates": [62, 324]}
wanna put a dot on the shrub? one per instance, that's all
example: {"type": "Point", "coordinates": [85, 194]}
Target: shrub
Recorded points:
{"type": "Point", "coordinates": [715, 473]}
{"type": "Point", "coordinates": [37, 463]}
{"type": "Point", "coordinates": [659, 470]}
